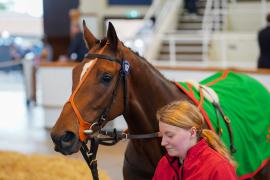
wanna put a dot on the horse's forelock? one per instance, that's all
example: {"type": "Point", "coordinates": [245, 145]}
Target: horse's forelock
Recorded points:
{"type": "Point", "coordinates": [102, 42]}
{"type": "Point", "coordinates": [85, 68]}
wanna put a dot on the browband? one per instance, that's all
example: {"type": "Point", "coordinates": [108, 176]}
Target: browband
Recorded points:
{"type": "Point", "coordinates": [102, 56]}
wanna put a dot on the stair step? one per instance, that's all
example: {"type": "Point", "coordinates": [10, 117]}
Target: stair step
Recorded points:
{"type": "Point", "coordinates": [199, 12]}
{"type": "Point", "coordinates": [180, 53]}
{"type": "Point", "coordinates": [184, 43]}
{"type": "Point", "coordinates": [199, 8]}
{"type": "Point", "coordinates": [201, 5]}
{"type": "Point", "coordinates": [182, 49]}
{"type": "Point", "coordinates": [196, 57]}
{"type": "Point", "coordinates": [201, 1]}
{"type": "Point", "coordinates": [190, 26]}
{"type": "Point", "coordinates": [198, 19]}
{"type": "Point", "coordinates": [185, 32]}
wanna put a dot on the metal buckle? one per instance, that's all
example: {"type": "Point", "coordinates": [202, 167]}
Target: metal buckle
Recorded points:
{"type": "Point", "coordinates": [92, 125]}
{"type": "Point", "coordinates": [93, 161]}
{"type": "Point", "coordinates": [125, 68]}
{"type": "Point", "coordinates": [102, 118]}
{"type": "Point", "coordinates": [227, 119]}
{"type": "Point", "coordinates": [88, 131]}
{"type": "Point", "coordinates": [125, 136]}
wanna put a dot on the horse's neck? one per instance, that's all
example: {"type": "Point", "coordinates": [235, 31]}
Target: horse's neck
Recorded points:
{"type": "Point", "coordinates": [148, 92]}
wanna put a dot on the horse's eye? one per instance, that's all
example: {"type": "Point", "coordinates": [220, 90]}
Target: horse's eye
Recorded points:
{"type": "Point", "coordinates": [106, 77]}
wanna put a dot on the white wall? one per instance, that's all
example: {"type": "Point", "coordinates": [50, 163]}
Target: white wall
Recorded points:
{"type": "Point", "coordinates": [53, 85]}
{"type": "Point", "coordinates": [100, 9]}
{"type": "Point", "coordinates": [247, 16]}
{"type": "Point", "coordinates": [237, 45]}
{"type": "Point", "coordinates": [21, 24]}
{"type": "Point", "coordinates": [235, 49]}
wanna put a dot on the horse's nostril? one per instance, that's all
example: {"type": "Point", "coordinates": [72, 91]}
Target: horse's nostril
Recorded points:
{"type": "Point", "coordinates": [56, 139]}
{"type": "Point", "coordinates": [69, 136]}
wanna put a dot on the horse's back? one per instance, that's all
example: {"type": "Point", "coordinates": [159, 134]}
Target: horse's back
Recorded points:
{"type": "Point", "coordinates": [246, 102]}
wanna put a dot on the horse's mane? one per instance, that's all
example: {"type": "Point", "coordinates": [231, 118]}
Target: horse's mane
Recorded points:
{"type": "Point", "coordinates": [103, 41]}
{"type": "Point", "coordinates": [147, 62]}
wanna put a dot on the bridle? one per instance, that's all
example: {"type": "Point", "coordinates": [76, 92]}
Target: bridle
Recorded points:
{"type": "Point", "coordinates": [100, 121]}
{"type": "Point", "coordinates": [124, 70]}
{"type": "Point", "coordinates": [86, 129]}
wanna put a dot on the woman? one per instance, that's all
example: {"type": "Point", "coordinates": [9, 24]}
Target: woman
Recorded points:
{"type": "Point", "coordinates": [193, 152]}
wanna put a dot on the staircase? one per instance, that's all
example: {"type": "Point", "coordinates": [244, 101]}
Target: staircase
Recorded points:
{"type": "Point", "coordinates": [186, 43]}
{"type": "Point", "coordinates": [187, 47]}
{"type": "Point", "coordinates": [187, 22]}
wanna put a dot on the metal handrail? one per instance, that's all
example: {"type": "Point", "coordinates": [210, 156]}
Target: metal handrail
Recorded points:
{"type": "Point", "coordinates": [212, 21]}
{"type": "Point", "coordinates": [149, 14]}
{"type": "Point", "coordinates": [160, 9]}
{"type": "Point", "coordinates": [207, 25]}
{"type": "Point", "coordinates": [146, 28]}
{"type": "Point", "coordinates": [163, 13]}
{"type": "Point", "coordinates": [173, 39]}
{"type": "Point", "coordinates": [151, 11]}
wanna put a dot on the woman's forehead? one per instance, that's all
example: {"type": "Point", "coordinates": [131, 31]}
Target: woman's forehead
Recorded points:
{"type": "Point", "coordinates": [167, 127]}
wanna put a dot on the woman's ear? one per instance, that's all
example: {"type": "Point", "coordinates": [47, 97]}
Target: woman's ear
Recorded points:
{"type": "Point", "coordinates": [193, 132]}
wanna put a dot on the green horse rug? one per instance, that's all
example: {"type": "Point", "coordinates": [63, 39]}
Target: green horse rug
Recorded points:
{"type": "Point", "coordinates": [246, 103]}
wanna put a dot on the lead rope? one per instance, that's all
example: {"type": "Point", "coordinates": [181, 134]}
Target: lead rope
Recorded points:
{"type": "Point", "coordinates": [112, 138]}
{"type": "Point", "coordinates": [228, 124]}
{"type": "Point", "coordinates": [90, 156]}
{"type": "Point", "coordinates": [225, 118]}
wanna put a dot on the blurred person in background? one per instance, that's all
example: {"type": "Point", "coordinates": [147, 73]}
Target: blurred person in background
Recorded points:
{"type": "Point", "coordinates": [14, 52]}
{"type": "Point", "coordinates": [191, 7]}
{"type": "Point", "coordinates": [77, 48]}
{"type": "Point", "coordinates": [46, 51]}
{"type": "Point", "coordinates": [264, 45]}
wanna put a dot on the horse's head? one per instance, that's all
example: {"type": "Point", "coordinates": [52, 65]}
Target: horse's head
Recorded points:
{"type": "Point", "coordinates": [97, 92]}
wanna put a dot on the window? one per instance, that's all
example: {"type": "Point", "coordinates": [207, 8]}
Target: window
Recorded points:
{"type": "Point", "coordinates": [31, 7]}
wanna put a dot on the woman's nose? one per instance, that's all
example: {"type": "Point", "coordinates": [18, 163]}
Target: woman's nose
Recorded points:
{"type": "Point", "coordinates": [163, 141]}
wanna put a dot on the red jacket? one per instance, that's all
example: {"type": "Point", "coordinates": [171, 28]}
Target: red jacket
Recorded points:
{"type": "Point", "coordinates": [201, 163]}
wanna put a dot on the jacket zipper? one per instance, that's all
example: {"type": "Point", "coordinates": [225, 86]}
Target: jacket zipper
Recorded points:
{"type": "Point", "coordinates": [175, 170]}
{"type": "Point", "coordinates": [182, 171]}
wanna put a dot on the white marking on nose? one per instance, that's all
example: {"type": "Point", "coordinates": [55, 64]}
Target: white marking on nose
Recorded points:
{"type": "Point", "coordinates": [85, 68]}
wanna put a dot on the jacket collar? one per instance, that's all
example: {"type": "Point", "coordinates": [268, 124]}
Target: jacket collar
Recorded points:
{"type": "Point", "coordinates": [197, 149]}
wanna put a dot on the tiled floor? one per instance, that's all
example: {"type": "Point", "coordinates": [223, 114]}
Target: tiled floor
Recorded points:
{"type": "Point", "coordinates": [21, 128]}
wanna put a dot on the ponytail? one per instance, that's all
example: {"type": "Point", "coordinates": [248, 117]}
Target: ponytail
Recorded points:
{"type": "Point", "coordinates": [215, 143]}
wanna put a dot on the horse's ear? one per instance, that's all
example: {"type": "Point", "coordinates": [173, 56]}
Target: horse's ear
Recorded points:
{"type": "Point", "coordinates": [88, 36]}
{"type": "Point", "coordinates": [112, 37]}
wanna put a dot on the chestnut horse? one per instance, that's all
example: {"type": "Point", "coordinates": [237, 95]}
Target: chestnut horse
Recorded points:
{"type": "Point", "coordinates": [101, 91]}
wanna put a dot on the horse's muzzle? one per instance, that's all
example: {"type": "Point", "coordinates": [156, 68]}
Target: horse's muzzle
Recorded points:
{"type": "Point", "coordinates": [68, 143]}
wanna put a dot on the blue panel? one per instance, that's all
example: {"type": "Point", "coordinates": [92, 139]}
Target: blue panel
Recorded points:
{"type": "Point", "coordinates": [129, 2]}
